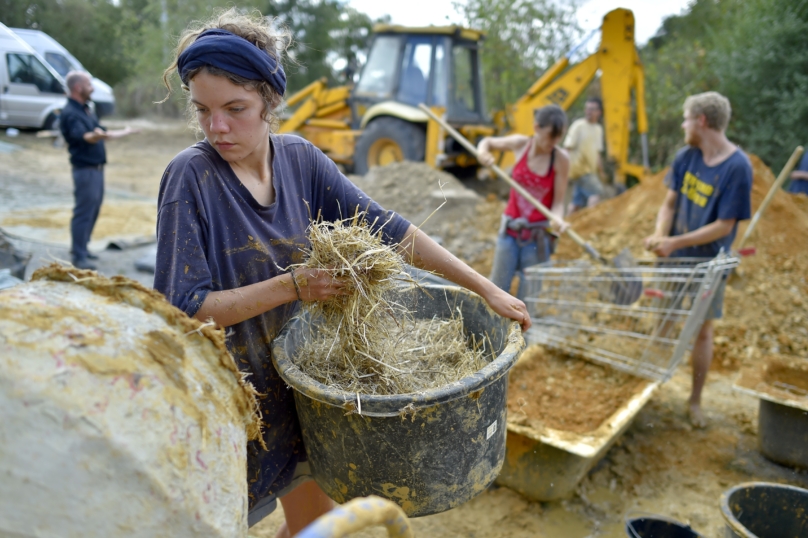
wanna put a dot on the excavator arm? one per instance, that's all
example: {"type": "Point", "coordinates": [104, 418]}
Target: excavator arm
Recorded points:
{"type": "Point", "coordinates": [621, 75]}
{"type": "Point", "coordinates": [323, 117]}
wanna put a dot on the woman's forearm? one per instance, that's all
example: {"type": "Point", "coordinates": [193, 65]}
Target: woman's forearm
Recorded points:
{"type": "Point", "coordinates": [230, 307]}
{"type": "Point", "coordinates": [422, 251]}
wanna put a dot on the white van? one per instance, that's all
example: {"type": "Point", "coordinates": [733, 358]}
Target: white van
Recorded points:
{"type": "Point", "coordinates": [32, 93]}
{"type": "Point", "coordinates": [63, 62]}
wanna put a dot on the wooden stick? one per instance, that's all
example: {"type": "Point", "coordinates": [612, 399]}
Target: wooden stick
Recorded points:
{"type": "Point", "coordinates": [784, 173]}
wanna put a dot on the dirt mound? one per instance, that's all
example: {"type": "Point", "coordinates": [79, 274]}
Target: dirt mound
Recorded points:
{"type": "Point", "coordinates": [801, 201]}
{"type": "Point", "coordinates": [766, 306]}
{"type": "Point", "coordinates": [466, 224]}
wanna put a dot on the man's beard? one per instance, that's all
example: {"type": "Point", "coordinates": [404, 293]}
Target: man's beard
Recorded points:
{"type": "Point", "coordinates": [692, 139]}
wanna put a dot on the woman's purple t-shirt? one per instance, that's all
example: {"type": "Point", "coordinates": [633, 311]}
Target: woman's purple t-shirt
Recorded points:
{"type": "Point", "coordinates": [213, 235]}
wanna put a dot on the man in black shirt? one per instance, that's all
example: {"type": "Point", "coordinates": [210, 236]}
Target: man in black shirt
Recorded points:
{"type": "Point", "coordinates": [85, 142]}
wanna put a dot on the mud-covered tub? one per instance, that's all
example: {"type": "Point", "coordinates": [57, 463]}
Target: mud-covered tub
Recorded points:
{"type": "Point", "coordinates": [781, 385]}
{"type": "Point", "coordinates": [556, 435]}
{"type": "Point", "coordinates": [428, 452]}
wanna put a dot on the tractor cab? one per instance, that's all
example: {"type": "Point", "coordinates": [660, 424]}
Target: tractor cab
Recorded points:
{"type": "Point", "coordinates": [438, 66]}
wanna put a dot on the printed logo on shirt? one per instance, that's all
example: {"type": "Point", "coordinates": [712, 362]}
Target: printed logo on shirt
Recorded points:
{"type": "Point", "coordinates": [696, 190]}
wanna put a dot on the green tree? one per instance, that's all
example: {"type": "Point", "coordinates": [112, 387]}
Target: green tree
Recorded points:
{"type": "Point", "coordinates": [324, 31]}
{"type": "Point", "coordinates": [523, 38]}
{"type": "Point", "coordinates": [90, 29]}
{"type": "Point", "coordinates": [753, 51]}
{"type": "Point", "coordinates": [761, 60]}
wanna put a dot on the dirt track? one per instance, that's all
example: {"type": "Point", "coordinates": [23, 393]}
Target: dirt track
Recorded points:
{"type": "Point", "coordinates": [661, 465]}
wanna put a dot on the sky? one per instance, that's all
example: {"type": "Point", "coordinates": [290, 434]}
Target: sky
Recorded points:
{"type": "Point", "coordinates": [648, 14]}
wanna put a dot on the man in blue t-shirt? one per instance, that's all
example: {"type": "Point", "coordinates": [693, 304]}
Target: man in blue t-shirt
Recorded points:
{"type": "Point", "coordinates": [799, 177]}
{"type": "Point", "coordinates": [709, 191]}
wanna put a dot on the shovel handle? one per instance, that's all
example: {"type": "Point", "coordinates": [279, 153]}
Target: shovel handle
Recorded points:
{"type": "Point", "coordinates": [784, 173]}
{"type": "Point", "coordinates": [589, 249]}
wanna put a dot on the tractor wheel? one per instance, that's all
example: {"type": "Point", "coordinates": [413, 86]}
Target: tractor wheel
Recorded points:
{"type": "Point", "coordinates": [387, 140]}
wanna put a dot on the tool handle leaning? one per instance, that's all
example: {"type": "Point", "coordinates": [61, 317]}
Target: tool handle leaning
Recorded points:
{"type": "Point", "coordinates": [521, 190]}
{"type": "Point", "coordinates": [784, 173]}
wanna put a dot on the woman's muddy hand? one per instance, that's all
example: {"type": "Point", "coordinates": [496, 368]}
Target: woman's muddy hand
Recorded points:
{"type": "Point", "coordinates": [318, 285]}
{"type": "Point", "coordinates": [508, 306]}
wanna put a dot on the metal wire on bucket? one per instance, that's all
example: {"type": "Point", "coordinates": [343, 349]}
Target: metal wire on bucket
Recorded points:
{"type": "Point", "coordinates": [573, 308]}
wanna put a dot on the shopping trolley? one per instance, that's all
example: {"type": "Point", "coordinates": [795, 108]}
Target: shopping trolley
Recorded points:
{"type": "Point", "coordinates": [574, 309]}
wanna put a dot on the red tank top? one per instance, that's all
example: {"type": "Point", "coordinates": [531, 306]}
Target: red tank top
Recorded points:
{"type": "Point", "coordinates": [541, 187]}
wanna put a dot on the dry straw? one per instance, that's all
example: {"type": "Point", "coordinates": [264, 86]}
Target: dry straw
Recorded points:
{"type": "Point", "coordinates": [365, 342]}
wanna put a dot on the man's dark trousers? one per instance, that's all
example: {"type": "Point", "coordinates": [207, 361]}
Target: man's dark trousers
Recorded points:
{"type": "Point", "coordinates": [88, 183]}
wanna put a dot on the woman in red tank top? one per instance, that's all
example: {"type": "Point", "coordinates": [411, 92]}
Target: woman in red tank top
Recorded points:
{"type": "Point", "coordinates": [541, 168]}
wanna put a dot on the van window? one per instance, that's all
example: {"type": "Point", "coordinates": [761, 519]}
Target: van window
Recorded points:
{"type": "Point", "coordinates": [27, 69]}
{"type": "Point", "coordinates": [59, 63]}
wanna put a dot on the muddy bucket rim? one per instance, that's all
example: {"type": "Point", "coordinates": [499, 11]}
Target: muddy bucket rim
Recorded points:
{"type": "Point", "coordinates": [729, 517]}
{"type": "Point", "coordinates": [398, 404]}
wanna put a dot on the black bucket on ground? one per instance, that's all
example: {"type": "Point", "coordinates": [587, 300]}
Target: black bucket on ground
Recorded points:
{"type": "Point", "coordinates": [783, 433]}
{"type": "Point", "coordinates": [12, 259]}
{"type": "Point", "coordinates": [651, 526]}
{"type": "Point", "coordinates": [764, 510]}
{"type": "Point", "coordinates": [428, 452]}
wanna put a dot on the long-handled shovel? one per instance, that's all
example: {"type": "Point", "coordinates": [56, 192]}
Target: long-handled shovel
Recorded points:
{"type": "Point", "coordinates": [627, 287]}
{"type": "Point", "coordinates": [784, 173]}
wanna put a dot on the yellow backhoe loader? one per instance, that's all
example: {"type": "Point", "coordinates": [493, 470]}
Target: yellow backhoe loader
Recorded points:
{"type": "Point", "coordinates": [377, 121]}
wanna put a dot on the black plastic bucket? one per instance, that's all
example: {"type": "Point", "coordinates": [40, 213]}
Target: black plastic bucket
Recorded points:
{"type": "Point", "coordinates": [764, 510]}
{"type": "Point", "coordinates": [428, 451]}
{"type": "Point", "coordinates": [783, 433]}
{"type": "Point", "coordinates": [651, 526]}
{"type": "Point", "coordinates": [13, 259]}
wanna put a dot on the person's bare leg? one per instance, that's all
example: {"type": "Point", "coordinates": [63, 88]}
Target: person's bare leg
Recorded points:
{"type": "Point", "coordinates": [301, 507]}
{"type": "Point", "coordinates": [701, 358]}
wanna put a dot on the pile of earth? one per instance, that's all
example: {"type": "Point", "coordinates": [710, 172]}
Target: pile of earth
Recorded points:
{"type": "Point", "coordinates": [466, 224]}
{"type": "Point", "coordinates": [766, 306]}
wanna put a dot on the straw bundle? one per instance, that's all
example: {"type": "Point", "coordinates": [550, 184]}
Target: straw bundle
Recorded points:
{"type": "Point", "coordinates": [363, 341]}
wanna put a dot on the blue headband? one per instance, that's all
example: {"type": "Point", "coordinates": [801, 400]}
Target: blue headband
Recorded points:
{"type": "Point", "coordinates": [233, 54]}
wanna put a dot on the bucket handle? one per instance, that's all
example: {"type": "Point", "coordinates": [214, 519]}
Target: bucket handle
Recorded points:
{"type": "Point", "coordinates": [359, 514]}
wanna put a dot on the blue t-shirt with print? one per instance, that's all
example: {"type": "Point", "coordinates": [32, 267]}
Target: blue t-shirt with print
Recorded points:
{"type": "Point", "coordinates": [707, 194]}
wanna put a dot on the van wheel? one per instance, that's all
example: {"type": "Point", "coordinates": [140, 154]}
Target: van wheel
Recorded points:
{"type": "Point", "coordinates": [387, 140]}
{"type": "Point", "coordinates": [51, 122]}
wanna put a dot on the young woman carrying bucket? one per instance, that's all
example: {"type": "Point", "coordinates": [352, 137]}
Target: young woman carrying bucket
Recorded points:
{"type": "Point", "coordinates": [233, 212]}
{"type": "Point", "coordinates": [542, 168]}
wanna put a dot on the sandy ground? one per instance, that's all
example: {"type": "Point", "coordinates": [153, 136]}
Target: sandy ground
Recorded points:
{"type": "Point", "coordinates": [661, 465]}
{"type": "Point", "coordinates": [36, 194]}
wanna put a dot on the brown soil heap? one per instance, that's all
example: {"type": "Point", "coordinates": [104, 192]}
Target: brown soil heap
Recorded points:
{"type": "Point", "coordinates": [548, 389]}
{"type": "Point", "coordinates": [766, 305]}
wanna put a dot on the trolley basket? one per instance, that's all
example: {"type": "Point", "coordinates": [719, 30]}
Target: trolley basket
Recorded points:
{"type": "Point", "coordinates": [573, 310]}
